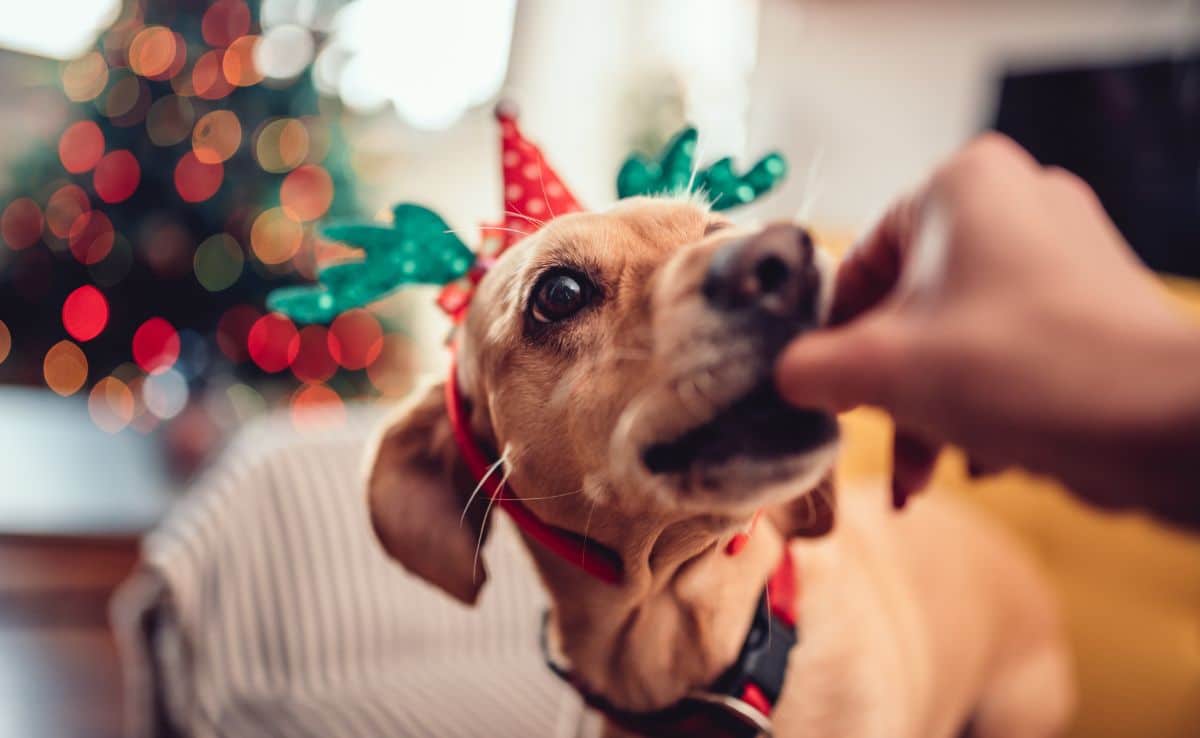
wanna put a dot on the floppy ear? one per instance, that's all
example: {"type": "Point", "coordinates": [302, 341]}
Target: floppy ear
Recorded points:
{"type": "Point", "coordinates": [808, 516]}
{"type": "Point", "coordinates": [417, 489]}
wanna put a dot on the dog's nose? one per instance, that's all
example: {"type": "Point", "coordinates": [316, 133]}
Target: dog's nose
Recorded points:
{"type": "Point", "coordinates": [770, 272]}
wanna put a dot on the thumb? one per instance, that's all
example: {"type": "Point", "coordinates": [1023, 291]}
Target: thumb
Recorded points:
{"type": "Point", "coordinates": [839, 368]}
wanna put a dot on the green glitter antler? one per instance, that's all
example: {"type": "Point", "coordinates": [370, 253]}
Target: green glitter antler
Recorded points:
{"type": "Point", "coordinates": [672, 171]}
{"type": "Point", "coordinates": [417, 248]}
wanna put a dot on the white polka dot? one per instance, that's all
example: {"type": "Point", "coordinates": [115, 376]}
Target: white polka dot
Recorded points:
{"type": "Point", "coordinates": [554, 189]}
{"type": "Point", "coordinates": [531, 171]}
{"type": "Point", "coordinates": [511, 159]}
{"type": "Point", "coordinates": [535, 207]}
{"type": "Point", "coordinates": [513, 192]}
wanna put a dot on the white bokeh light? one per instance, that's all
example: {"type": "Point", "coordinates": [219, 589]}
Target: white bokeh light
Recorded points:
{"type": "Point", "coordinates": [431, 61]}
{"type": "Point", "coordinates": [284, 51]}
{"type": "Point", "coordinates": [60, 29]}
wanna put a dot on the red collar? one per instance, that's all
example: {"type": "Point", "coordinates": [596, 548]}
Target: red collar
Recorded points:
{"type": "Point", "coordinates": [600, 561]}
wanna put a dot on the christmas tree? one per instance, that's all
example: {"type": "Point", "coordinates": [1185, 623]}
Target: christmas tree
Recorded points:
{"type": "Point", "coordinates": [185, 186]}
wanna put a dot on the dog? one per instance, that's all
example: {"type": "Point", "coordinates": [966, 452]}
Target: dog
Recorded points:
{"type": "Point", "coordinates": [617, 367]}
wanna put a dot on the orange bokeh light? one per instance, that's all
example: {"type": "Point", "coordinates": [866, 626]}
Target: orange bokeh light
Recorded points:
{"type": "Point", "coordinates": [281, 145]}
{"type": "Point", "coordinates": [81, 146]}
{"type": "Point", "coordinates": [355, 339]}
{"type": "Point", "coordinates": [273, 342]}
{"type": "Point", "coordinates": [224, 21]}
{"type": "Point", "coordinates": [21, 223]}
{"type": "Point", "coordinates": [85, 313]}
{"type": "Point", "coordinates": [85, 78]}
{"type": "Point", "coordinates": [275, 237]}
{"type": "Point", "coordinates": [196, 181]}
{"type": "Point", "coordinates": [64, 208]}
{"type": "Point", "coordinates": [5, 341]}
{"type": "Point", "coordinates": [217, 136]}
{"type": "Point", "coordinates": [155, 346]}
{"type": "Point", "coordinates": [306, 192]}
{"type": "Point", "coordinates": [316, 406]}
{"type": "Point", "coordinates": [394, 371]}
{"type": "Point", "coordinates": [152, 51]}
{"type": "Point", "coordinates": [91, 237]}
{"type": "Point", "coordinates": [65, 368]}
{"type": "Point", "coordinates": [238, 63]}
{"type": "Point", "coordinates": [111, 405]}
{"type": "Point", "coordinates": [208, 79]}
{"type": "Point", "coordinates": [117, 176]}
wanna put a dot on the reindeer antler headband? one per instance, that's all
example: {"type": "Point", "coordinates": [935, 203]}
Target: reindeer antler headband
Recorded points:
{"type": "Point", "coordinates": [418, 247]}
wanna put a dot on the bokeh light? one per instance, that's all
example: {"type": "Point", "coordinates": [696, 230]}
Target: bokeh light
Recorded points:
{"type": "Point", "coordinates": [208, 79]}
{"type": "Point", "coordinates": [155, 346]}
{"type": "Point", "coordinates": [81, 146]}
{"type": "Point", "coordinates": [225, 21]}
{"type": "Point", "coordinates": [315, 406]}
{"type": "Point", "coordinates": [275, 237]}
{"type": "Point", "coordinates": [5, 341]}
{"type": "Point", "coordinates": [85, 78]}
{"type": "Point", "coordinates": [306, 192]}
{"type": "Point", "coordinates": [273, 343]}
{"type": "Point", "coordinates": [218, 262]}
{"type": "Point", "coordinates": [284, 51]}
{"type": "Point", "coordinates": [281, 145]}
{"type": "Point", "coordinates": [394, 371]}
{"type": "Point", "coordinates": [355, 339]}
{"type": "Point", "coordinates": [21, 223]}
{"type": "Point", "coordinates": [217, 136]}
{"type": "Point", "coordinates": [122, 96]}
{"type": "Point", "coordinates": [65, 368]}
{"type": "Point", "coordinates": [233, 331]}
{"type": "Point", "coordinates": [196, 181]}
{"type": "Point", "coordinates": [238, 63]}
{"type": "Point", "coordinates": [64, 208]}
{"type": "Point", "coordinates": [165, 394]}
{"type": "Point", "coordinates": [117, 176]}
{"type": "Point", "coordinates": [152, 51]}
{"type": "Point", "coordinates": [169, 120]}
{"type": "Point", "coordinates": [313, 363]}
{"type": "Point", "coordinates": [91, 237]}
{"type": "Point", "coordinates": [111, 405]}
{"type": "Point", "coordinates": [85, 313]}
{"type": "Point", "coordinates": [166, 246]}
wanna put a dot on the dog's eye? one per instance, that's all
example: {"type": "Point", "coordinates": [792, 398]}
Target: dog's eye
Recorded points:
{"type": "Point", "coordinates": [559, 295]}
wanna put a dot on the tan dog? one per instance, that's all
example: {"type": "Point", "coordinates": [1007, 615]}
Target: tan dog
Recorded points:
{"type": "Point", "coordinates": [620, 364]}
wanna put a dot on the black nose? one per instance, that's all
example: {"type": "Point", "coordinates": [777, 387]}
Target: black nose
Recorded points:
{"type": "Point", "coordinates": [771, 272]}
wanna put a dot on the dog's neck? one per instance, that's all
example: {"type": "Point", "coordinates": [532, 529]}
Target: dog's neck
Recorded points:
{"type": "Point", "coordinates": [674, 626]}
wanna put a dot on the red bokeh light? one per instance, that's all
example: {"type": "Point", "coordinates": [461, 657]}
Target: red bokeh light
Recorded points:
{"type": "Point", "coordinates": [85, 313]}
{"type": "Point", "coordinates": [64, 208]}
{"type": "Point", "coordinates": [155, 346]}
{"type": "Point", "coordinates": [355, 339]}
{"type": "Point", "coordinates": [21, 223]}
{"type": "Point", "coordinates": [91, 237]}
{"type": "Point", "coordinates": [116, 176]}
{"type": "Point", "coordinates": [273, 343]}
{"type": "Point", "coordinates": [81, 146]}
{"type": "Point", "coordinates": [208, 77]}
{"type": "Point", "coordinates": [316, 406]}
{"type": "Point", "coordinates": [306, 192]}
{"type": "Point", "coordinates": [233, 330]}
{"type": "Point", "coordinates": [224, 21]}
{"type": "Point", "coordinates": [313, 363]}
{"type": "Point", "coordinates": [195, 180]}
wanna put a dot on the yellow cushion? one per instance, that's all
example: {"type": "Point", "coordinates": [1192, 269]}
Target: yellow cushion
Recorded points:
{"type": "Point", "coordinates": [1130, 588]}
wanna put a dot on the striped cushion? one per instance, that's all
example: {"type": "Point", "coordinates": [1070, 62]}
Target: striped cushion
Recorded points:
{"type": "Point", "coordinates": [265, 607]}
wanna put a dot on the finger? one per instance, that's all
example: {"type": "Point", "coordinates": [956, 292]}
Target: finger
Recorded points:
{"type": "Point", "coordinates": [913, 460]}
{"type": "Point", "coordinates": [840, 368]}
{"type": "Point", "coordinates": [871, 270]}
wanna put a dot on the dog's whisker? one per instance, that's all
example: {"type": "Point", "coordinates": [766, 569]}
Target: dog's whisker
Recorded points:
{"type": "Point", "coordinates": [482, 480]}
{"type": "Point", "coordinates": [695, 166]}
{"type": "Point", "coordinates": [527, 218]}
{"type": "Point", "coordinates": [545, 197]}
{"type": "Point", "coordinates": [553, 497]}
{"type": "Point", "coordinates": [587, 527]}
{"type": "Point", "coordinates": [491, 503]}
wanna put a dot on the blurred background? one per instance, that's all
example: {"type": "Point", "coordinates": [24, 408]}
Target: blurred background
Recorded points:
{"type": "Point", "coordinates": [163, 164]}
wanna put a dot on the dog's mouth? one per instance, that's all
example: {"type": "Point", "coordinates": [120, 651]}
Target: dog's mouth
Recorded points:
{"type": "Point", "coordinates": [758, 426]}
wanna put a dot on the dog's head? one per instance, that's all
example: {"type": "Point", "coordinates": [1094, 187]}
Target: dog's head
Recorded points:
{"type": "Point", "coordinates": [620, 364]}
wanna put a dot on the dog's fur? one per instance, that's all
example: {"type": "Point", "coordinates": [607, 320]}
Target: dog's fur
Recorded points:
{"type": "Point", "coordinates": [913, 624]}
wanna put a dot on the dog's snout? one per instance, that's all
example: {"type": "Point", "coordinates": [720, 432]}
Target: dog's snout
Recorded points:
{"type": "Point", "coordinates": [770, 272]}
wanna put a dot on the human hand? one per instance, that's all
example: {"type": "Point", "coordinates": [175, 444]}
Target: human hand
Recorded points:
{"type": "Point", "coordinates": [998, 308]}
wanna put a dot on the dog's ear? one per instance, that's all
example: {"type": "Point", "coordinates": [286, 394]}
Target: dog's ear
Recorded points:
{"type": "Point", "coordinates": [417, 491]}
{"type": "Point", "coordinates": [809, 516]}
